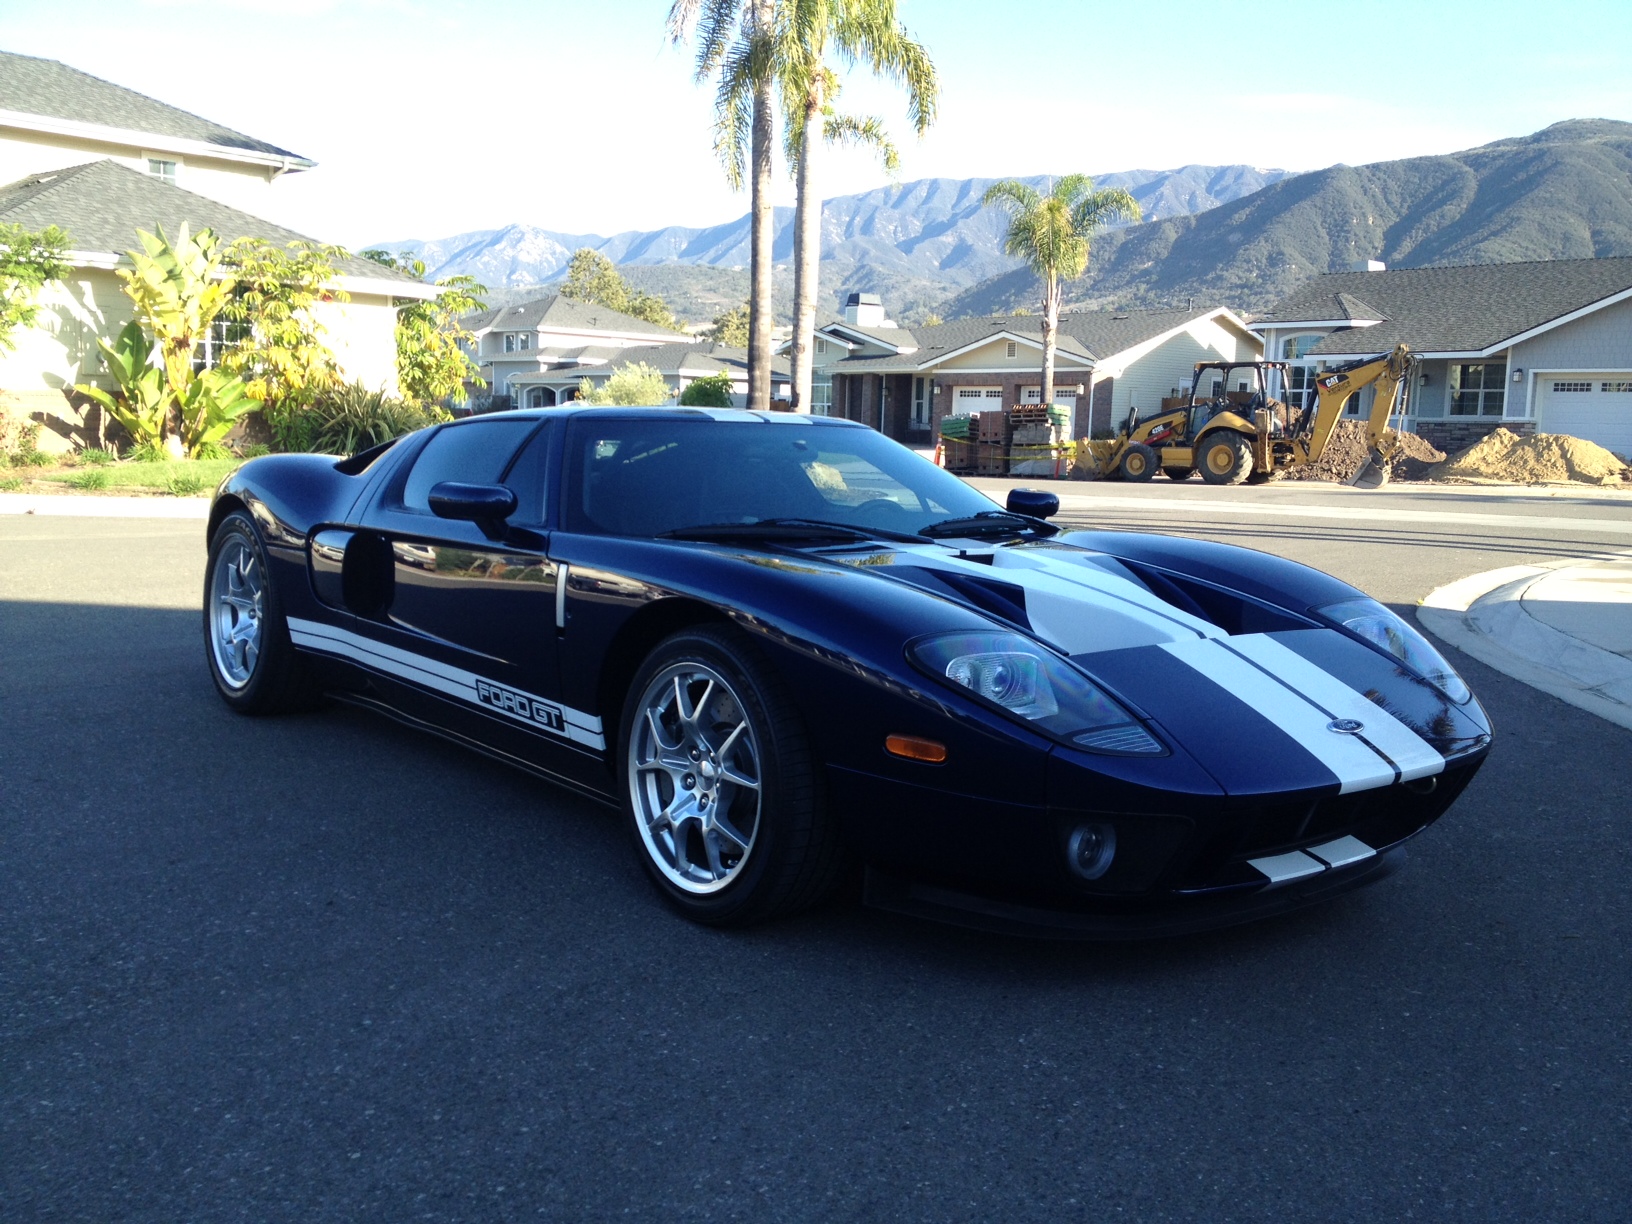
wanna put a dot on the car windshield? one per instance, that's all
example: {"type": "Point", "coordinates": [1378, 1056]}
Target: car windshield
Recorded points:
{"type": "Point", "coordinates": [651, 476]}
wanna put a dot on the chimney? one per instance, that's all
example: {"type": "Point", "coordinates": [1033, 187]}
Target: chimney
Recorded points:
{"type": "Point", "coordinates": [865, 310]}
{"type": "Point", "coordinates": [1367, 265]}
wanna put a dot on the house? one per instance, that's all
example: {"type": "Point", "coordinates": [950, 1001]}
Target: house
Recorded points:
{"type": "Point", "coordinates": [1542, 346]}
{"type": "Point", "coordinates": [92, 176]}
{"type": "Point", "coordinates": [537, 354]}
{"type": "Point", "coordinates": [903, 381]}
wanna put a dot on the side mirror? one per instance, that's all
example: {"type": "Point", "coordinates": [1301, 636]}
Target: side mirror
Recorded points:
{"type": "Point", "coordinates": [476, 503]}
{"type": "Point", "coordinates": [1038, 503]}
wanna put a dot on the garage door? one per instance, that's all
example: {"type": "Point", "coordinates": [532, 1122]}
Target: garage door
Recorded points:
{"type": "Point", "coordinates": [1593, 406]}
{"type": "Point", "coordinates": [968, 400]}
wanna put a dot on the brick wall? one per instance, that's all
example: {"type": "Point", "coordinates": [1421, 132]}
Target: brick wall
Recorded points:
{"type": "Point", "coordinates": [1452, 434]}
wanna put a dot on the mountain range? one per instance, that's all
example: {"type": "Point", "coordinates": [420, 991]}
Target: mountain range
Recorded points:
{"type": "Point", "coordinates": [1561, 193]}
{"type": "Point", "coordinates": [1237, 235]}
{"type": "Point", "coordinates": [913, 242]}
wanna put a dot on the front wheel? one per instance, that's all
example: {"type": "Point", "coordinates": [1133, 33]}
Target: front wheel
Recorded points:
{"type": "Point", "coordinates": [721, 793]}
{"type": "Point", "coordinates": [246, 637]}
{"type": "Point", "coordinates": [1225, 458]}
{"type": "Point", "coordinates": [1138, 462]}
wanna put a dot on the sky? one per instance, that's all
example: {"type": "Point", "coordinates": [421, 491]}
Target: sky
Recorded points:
{"type": "Point", "coordinates": [429, 118]}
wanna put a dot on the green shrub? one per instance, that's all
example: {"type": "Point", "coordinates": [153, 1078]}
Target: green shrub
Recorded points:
{"type": "Point", "coordinates": [10, 484]}
{"type": "Point", "coordinates": [34, 458]}
{"type": "Point", "coordinates": [95, 456]}
{"type": "Point", "coordinates": [150, 452]}
{"type": "Point", "coordinates": [711, 392]}
{"type": "Point", "coordinates": [214, 450]}
{"type": "Point", "coordinates": [254, 450]}
{"type": "Point", "coordinates": [90, 478]}
{"type": "Point", "coordinates": [354, 418]}
{"type": "Point", "coordinates": [186, 484]}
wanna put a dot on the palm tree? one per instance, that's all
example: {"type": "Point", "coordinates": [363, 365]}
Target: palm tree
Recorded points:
{"type": "Point", "coordinates": [864, 31]}
{"type": "Point", "coordinates": [734, 39]}
{"type": "Point", "coordinates": [1051, 233]}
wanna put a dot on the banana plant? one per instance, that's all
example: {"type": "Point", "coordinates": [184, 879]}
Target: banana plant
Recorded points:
{"type": "Point", "coordinates": [211, 407]}
{"type": "Point", "coordinates": [142, 403]}
{"type": "Point", "coordinates": [178, 290]}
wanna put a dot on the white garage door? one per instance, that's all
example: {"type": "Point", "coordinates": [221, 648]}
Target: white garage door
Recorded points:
{"type": "Point", "coordinates": [977, 399]}
{"type": "Point", "coordinates": [1593, 406]}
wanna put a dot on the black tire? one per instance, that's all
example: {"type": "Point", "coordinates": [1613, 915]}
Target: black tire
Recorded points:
{"type": "Point", "coordinates": [273, 678]}
{"type": "Point", "coordinates": [792, 856]}
{"type": "Point", "coordinates": [1178, 473]}
{"type": "Point", "coordinates": [1224, 458]}
{"type": "Point", "coordinates": [1138, 463]}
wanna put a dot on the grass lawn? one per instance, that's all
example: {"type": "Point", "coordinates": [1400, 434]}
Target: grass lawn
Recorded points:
{"type": "Point", "coordinates": [182, 477]}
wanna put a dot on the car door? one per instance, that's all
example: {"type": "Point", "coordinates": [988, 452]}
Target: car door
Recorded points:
{"type": "Point", "coordinates": [465, 622]}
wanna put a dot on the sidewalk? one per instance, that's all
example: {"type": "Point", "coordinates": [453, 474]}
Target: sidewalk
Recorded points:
{"type": "Point", "coordinates": [89, 506]}
{"type": "Point", "coordinates": [1564, 628]}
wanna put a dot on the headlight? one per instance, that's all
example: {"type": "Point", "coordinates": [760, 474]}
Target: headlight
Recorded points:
{"type": "Point", "coordinates": [1019, 676]}
{"type": "Point", "coordinates": [1376, 626]}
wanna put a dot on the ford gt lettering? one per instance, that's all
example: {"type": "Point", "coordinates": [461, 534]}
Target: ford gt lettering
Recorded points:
{"type": "Point", "coordinates": [520, 705]}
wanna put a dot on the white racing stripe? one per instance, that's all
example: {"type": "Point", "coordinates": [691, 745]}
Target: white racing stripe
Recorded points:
{"type": "Point", "coordinates": [1356, 765]}
{"type": "Point", "coordinates": [535, 712]}
{"type": "Point", "coordinates": [1074, 603]}
{"type": "Point", "coordinates": [1390, 737]}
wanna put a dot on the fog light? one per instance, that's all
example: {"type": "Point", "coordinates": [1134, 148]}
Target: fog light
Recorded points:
{"type": "Point", "coordinates": [1091, 849]}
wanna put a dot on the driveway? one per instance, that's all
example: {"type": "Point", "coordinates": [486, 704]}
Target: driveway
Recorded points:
{"type": "Point", "coordinates": [322, 968]}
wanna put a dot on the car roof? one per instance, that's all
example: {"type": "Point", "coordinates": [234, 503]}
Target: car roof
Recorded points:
{"type": "Point", "coordinates": [737, 415]}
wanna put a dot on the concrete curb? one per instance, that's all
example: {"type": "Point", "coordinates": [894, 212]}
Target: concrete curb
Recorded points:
{"type": "Point", "coordinates": [67, 504]}
{"type": "Point", "coordinates": [1485, 616]}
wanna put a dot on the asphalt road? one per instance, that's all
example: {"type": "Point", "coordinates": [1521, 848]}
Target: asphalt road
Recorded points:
{"type": "Point", "coordinates": [321, 968]}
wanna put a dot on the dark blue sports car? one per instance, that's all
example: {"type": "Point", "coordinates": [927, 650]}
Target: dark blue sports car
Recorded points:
{"type": "Point", "coordinates": [783, 644]}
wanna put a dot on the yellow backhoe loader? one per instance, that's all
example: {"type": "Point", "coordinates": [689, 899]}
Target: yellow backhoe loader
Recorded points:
{"type": "Point", "coordinates": [1248, 434]}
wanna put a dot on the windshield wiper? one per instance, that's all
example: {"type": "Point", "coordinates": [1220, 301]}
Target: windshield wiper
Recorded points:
{"type": "Point", "coordinates": [988, 522]}
{"type": "Point", "coordinates": [785, 529]}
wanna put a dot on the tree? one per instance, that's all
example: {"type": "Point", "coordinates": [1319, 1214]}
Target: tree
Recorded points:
{"type": "Point", "coordinates": [593, 278]}
{"type": "Point", "coordinates": [634, 385]}
{"type": "Point", "coordinates": [730, 328]}
{"type": "Point", "coordinates": [1052, 234]}
{"type": "Point", "coordinates": [28, 262]}
{"type": "Point", "coordinates": [432, 362]}
{"type": "Point", "coordinates": [178, 288]}
{"type": "Point", "coordinates": [734, 38]}
{"type": "Point", "coordinates": [710, 391]}
{"type": "Point", "coordinates": [853, 31]}
{"type": "Point", "coordinates": [278, 346]}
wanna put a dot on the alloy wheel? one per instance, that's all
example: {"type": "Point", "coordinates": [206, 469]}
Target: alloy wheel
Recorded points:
{"type": "Point", "coordinates": [237, 611]}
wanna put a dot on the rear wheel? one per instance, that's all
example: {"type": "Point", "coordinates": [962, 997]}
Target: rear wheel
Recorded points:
{"type": "Point", "coordinates": [721, 793]}
{"type": "Point", "coordinates": [1225, 458]}
{"type": "Point", "coordinates": [1138, 462]}
{"type": "Point", "coordinates": [246, 635]}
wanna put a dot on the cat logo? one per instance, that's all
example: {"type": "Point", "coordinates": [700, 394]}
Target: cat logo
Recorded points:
{"type": "Point", "coordinates": [520, 705]}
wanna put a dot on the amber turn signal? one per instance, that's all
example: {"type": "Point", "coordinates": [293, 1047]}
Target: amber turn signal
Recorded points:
{"type": "Point", "coordinates": [915, 749]}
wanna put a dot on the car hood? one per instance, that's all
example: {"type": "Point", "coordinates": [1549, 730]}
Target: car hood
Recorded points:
{"type": "Point", "coordinates": [1290, 705]}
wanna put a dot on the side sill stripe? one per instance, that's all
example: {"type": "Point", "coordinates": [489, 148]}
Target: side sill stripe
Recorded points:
{"type": "Point", "coordinates": [1355, 765]}
{"type": "Point", "coordinates": [1387, 735]}
{"type": "Point", "coordinates": [532, 711]}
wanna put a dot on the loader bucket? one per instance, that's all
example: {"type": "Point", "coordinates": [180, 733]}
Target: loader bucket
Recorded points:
{"type": "Point", "coordinates": [1373, 473]}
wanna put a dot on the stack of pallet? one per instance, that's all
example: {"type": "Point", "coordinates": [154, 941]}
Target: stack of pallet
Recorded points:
{"type": "Point", "coordinates": [992, 443]}
{"type": "Point", "coordinates": [956, 432]}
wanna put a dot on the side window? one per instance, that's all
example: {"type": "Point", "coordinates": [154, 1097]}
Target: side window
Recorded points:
{"type": "Point", "coordinates": [528, 477]}
{"type": "Point", "coordinates": [476, 453]}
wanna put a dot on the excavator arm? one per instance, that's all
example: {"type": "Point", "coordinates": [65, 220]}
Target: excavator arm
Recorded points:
{"type": "Point", "coordinates": [1332, 391]}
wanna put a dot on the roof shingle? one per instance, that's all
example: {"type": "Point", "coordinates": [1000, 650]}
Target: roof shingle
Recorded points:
{"type": "Point", "coordinates": [54, 90]}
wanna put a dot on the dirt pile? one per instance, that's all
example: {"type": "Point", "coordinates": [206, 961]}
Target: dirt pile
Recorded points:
{"type": "Point", "coordinates": [1346, 450]}
{"type": "Point", "coordinates": [1534, 459]}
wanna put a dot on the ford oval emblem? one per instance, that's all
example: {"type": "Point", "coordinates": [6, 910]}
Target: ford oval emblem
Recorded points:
{"type": "Point", "coordinates": [1346, 726]}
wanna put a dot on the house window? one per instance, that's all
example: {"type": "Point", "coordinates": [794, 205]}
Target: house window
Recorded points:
{"type": "Point", "coordinates": [821, 346]}
{"type": "Point", "coordinates": [1575, 386]}
{"type": "Point", "coordinates": [1010, 349]}
{"type": "Point", "coordinates": [1295, 348]}
{"type": "Point", "coordinates": [1479, 389]}
{"type": "Point", "coordinates": [509, 342]}
{"type": "Point", "coordinates": [1616, 388]}
{"type": "Point", "coordinates": [524, 341]}
{"type": "Point", "coordinates": [222, 337]}
{"type": "Point", "coordinates": [821, 394]}
{"type": "Point", "coordinates": [161, 169]}
{"type": "Point", "coordinates": [920, 403]}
